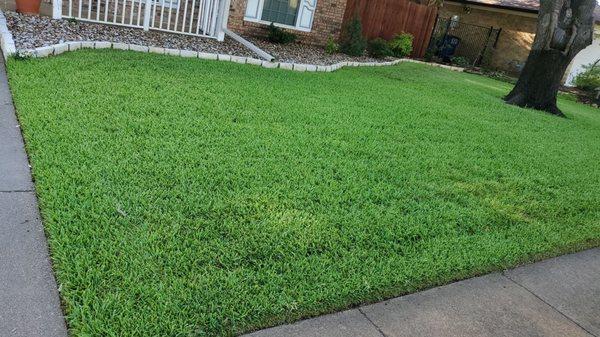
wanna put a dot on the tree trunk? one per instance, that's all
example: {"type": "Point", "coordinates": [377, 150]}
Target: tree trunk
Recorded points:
{"type": "Point", "coordinates": [564, 28]}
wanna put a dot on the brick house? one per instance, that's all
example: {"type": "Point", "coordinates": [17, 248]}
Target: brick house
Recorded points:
{"type": "Point", "coordinates": [314, 21]}
{"type": "Point", "coordinates": [516, 18]}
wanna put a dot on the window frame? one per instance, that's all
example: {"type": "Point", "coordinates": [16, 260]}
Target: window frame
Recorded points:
{"type": "Point", "coordinates": [297, 26]}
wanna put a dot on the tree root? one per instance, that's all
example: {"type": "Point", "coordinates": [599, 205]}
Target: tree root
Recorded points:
{"type": "Point", "coordinates": [519, 100]}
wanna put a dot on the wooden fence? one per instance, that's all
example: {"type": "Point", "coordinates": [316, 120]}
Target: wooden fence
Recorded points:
{"type": "Point", "coordinates": [386, 18]}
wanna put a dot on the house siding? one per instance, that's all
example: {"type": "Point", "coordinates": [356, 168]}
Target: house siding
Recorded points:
{"type": "Point", "coordinates": [327, 21]}
{"type": "Point", "coordinates": [515, 40]}
{"type": "Point", "coordinates": [589, 55]}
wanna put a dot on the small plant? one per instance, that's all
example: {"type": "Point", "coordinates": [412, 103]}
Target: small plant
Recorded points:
{"type": "Point", "coordinates": [278, 35]}
{"type": "Point", "coordinates": [353, 42]}
{"type": "Point", "coordinates": [589, 78]}
{"type": "Point", "coordinates": [379, 48]}
{"type": "Point", "coordinates": [22, 55]}
{"type": "Point", "coordinates": [460, 61]}
{"type": "Point", "coordinates": [401, 45]}
{"type": "Point", "coordinates": [332, 47]}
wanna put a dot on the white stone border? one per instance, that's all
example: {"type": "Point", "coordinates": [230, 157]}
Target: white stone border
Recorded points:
{"type": "Point", "coordinates": [71, 46]}
{"type": "Point", "coordinates": [7, 44]}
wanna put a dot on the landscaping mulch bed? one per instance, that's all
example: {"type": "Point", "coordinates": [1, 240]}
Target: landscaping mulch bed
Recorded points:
{"type": "Point", "coordinates": [302, 53]}
{"type": "Point", "coordinates": [38, 31]}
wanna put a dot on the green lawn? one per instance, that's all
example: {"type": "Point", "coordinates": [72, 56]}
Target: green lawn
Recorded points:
{"type": "Point", "coordinates": [186, 197]}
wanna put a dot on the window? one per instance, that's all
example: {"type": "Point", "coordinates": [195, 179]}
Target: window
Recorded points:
{"type": "Point", "coordinates": [280, 11]}
{"type": "Point", "coordinates": [294, 14]}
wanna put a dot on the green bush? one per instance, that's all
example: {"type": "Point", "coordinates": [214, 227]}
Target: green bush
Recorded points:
{"type": "Point", "coordinates": [278, 35]}
{"type": "Point", "coordinates": [401, 45]}
{"type": "Point", "coordinates": [332, 47]}
{"type": "Point", "coordinates": [460, 61]}
{"type": "Point", "coordinates": [379, 48]}
{"type": "Point", "coordinates": [589, 78]}
{"type": "Point", "coordinates": [353, 42]}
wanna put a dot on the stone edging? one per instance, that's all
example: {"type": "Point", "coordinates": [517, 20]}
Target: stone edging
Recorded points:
{"type": "Point", "coordinates": [7, 44]}
{"type": "Point", "coordinates": [71, 46]}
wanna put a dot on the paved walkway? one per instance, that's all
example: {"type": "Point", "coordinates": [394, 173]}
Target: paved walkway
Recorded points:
{"type": "Point", "coordinates": [29, 302]}
{"type": "Point", "coordinates": [557, 297]}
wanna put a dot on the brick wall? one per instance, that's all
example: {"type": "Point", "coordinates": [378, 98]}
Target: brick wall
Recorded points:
{"type": "Point", "coordinates": [327, 21]}
{"type": "Point", "coordinates": [514, 43]}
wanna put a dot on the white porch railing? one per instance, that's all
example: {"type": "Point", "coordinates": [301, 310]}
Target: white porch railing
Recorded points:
{"type": "Point", "coordinates": [206, 18]}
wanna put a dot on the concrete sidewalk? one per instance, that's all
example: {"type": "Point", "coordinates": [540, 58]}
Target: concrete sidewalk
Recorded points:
{"type": "Point", "coordinates": [29, 302]}
{"type": "Point", "coordinates": [557, 297]}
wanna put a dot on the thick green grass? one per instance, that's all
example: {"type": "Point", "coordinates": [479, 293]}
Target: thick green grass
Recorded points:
{"type": "Point", "coordinates": [185, 197]}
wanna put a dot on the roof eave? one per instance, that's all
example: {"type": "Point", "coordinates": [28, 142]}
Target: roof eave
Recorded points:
{"type": "Point", "coordinates": [510, 8]}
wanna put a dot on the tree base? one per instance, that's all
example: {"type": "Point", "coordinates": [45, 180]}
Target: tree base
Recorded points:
{"type": "Point", "coordinates": [520, 101]}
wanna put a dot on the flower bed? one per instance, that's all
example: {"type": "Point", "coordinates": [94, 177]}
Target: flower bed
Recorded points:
{"type": "Point", "coordinates": [30, 32]}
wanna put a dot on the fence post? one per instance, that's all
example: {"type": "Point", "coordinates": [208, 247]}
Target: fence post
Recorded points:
{"type": "Point", "coordinates": [222, 17]}
{"type": "Point", "coordinates": [56, 9]}
{"type": "Point", "coordinates": [147, 14]}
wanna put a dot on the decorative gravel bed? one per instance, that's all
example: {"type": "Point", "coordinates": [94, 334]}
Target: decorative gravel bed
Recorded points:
{"type": "Point", "coordinates": [38, 31]}
{"type": "Point", "coordinates": [302, 53]}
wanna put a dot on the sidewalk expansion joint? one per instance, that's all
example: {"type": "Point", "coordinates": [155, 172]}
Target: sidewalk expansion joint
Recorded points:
{"type": "Point", "coordinates": [548, 304]}
{"type": "Point", "coordinates": [373, 323]}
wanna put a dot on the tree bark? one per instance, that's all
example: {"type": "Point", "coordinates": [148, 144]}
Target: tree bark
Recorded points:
{"type": "Point", "coordinates": [564, 28]}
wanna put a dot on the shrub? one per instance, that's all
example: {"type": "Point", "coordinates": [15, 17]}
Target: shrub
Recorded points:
{"type": "Point", "coordinates": [353, 43]}
{"type": "Point", "coordinates": [332, 47]}
{"type": "Point", "coordinates": [278, 35]}
{"type": "Point", "coordinates": [589, 78]}
{"type": "Point", "coordinates": [460, 61]}
{"type": "Point", "coordinates": [379, 48]}
{"type": "Point", "coordinates": [401, 45]}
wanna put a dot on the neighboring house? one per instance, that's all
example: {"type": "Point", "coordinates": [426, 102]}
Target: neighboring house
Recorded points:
{"type": "Point", "coordinates": [516, 18]}
{"type": "Point", "coordinates": [586, 56]}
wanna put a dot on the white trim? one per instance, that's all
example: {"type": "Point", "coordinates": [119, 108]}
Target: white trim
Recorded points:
{"type": "Point", "coordinates": [253, 8]}
{"type": "Point", "coordinates": [280, 25]}
{"type": "Point", "coordinates": [222, 18]}
{"type": "Point", "coordinates": [56, 9]}
{"type": "Point", "coordinates": [306, 8]}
